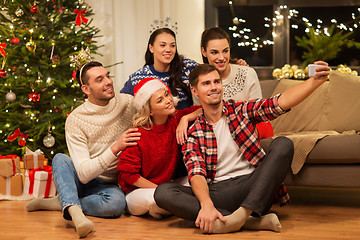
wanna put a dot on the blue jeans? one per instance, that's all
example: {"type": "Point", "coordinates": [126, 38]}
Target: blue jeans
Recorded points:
{"type": "Point", "coordinates": [96, 198]}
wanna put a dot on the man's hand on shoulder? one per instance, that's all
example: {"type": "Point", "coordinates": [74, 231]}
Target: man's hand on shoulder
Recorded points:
{"type": "Point", "coordinates": [127, 138]}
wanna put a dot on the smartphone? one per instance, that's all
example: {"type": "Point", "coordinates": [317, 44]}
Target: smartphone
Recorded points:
{"type": "Point", "coordinates": [311, 69]}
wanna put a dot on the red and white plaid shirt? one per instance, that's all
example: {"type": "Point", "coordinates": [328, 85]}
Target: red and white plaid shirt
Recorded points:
{"type": "Point", "coordinates": [200, 149]}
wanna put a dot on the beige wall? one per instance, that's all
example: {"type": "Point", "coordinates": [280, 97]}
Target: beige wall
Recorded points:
{"type": "Point", "coordinates": [125, 26]}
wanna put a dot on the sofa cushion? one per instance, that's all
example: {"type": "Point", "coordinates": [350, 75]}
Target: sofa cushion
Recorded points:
{"type": "Point", "coordinates": [267, 87]}
{"type": "Point", "coordinates": [342, 109]}
{"type": "Point", "coordinates": [336, 149]}
{"type": "Point", "coordinates": [306, 115]}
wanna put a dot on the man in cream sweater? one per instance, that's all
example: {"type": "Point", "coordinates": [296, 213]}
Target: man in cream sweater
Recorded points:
{"type": "Point", "coordinates": [96, 133]}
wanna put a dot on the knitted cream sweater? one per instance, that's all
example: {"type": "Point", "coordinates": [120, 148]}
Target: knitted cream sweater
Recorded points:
{"type": "Point", "coordinates": [90, 132]}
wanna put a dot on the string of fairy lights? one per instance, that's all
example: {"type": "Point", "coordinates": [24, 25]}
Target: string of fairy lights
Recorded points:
{"type": "Point", "coordinates": [31, 46]}
{"type": "Point", "coordinates": [248, 39]}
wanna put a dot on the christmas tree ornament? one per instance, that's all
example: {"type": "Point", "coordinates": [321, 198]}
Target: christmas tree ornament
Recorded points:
{"type": "Point", "coordinates": [277, 73]}
{"type": "Point", "coordinates": [55, 59]}
{"type": "Point", "coordinates": [81, 58]}
{"type": "Point", "coordinates": [287, 73]}
{"type": "Point", "coordinates": [294, 67]}
{"type": "Point", "coordinates": [49, 140]}
{"type": "Point", "coordinates": [15, 41]}
{"type": "Point", "coordinates": [10, 96]}
{"type": "Point", "coordinates": [33, 9]}
{"type": "Point", "coordinates": [84, 55]}
{"type": "Point", "coordinates": [19, 12]}
{"type": "Point", "coordinates": [80, 17]}
{"type": "Point", "coordinates": [17, 133]}
{"type": "Point", "coordinates": [34, 97]}
{"type": "Point", "coordinates": [2, 50]}
{"type": "Point", "coordinates": [31, 46]}
{"type": "Point", "coordinates": [73, 75]}
{"type": "Point", "coordinates": [2, 73]}
{"type": "Point", "coordinates": [39, 80]}
{"type": "Point", "coordinates": [299, 74]}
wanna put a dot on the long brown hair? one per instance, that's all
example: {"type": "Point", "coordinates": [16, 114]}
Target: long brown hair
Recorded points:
{"type": "Point", "coordinates": [176, 66]}
{"type": "Point", "coordinates": [211, 34]}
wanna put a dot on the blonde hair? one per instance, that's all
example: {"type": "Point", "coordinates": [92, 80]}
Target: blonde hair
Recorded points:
{"type": "Point", "coordinates": [142, 118]}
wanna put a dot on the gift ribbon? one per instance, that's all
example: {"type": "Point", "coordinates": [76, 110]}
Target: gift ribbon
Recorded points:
{"type": "Point", "coordinates": [8, 186]}
{"type": "Point", "coordinates": [80, 17]}
{"type": "Point", "coordinates": [16, 134]}
{"type": "Point", "coordinates": [2, 51]}
{"type": "Point", "coordinates": [12, 159]}
{"type": "Point", "coordinates": [32, 172]}
{"type": "Point", "coordinates": [35, 160]}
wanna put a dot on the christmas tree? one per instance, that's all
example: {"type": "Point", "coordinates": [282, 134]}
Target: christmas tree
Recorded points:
{"type": "Point", "coordinates": [38, 40]}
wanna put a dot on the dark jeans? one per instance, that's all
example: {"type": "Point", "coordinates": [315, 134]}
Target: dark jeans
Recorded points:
{"type": "Point", "coordinates": [255, 191]}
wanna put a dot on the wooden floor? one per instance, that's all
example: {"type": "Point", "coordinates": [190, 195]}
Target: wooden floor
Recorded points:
{"type": "Point", "coordinates": [321, 214]}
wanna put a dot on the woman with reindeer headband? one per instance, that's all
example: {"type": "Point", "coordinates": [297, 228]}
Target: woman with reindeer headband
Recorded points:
{"type": "Point", "coordinates": [154, 159]}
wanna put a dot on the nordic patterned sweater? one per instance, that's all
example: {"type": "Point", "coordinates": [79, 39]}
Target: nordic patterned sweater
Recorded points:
{"type": "Point", "coordinates": [90, 132]}
{"type": "Point", "coordinates": [149, 71]}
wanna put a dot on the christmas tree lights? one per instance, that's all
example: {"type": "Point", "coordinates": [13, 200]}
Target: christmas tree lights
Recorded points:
{"type": "Point", "coordinates": [37, 85]}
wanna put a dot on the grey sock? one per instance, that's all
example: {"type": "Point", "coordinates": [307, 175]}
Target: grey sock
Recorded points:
{"type": "Point", "coordinates": [267, 222]}
{"type": "Point", "coordinates": [44, 204]}
{"type": "Point", "coordinates": [82, 224]}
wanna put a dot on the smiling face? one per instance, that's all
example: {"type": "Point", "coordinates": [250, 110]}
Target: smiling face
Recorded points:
{"type": "Point", "coordinates": [164, 49]}
{"type": "Point", "coordinates": [99, 87]}
{"type": "Point", "coordinates": [161, 106]}
{"type": "Point", "coordinates": [209, 89]}
{"type": "Point", "coordinates": [218, 54]}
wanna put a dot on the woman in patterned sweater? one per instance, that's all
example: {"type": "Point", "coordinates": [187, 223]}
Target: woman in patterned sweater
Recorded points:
{"type": "Point", "coordinates": [163, 62]}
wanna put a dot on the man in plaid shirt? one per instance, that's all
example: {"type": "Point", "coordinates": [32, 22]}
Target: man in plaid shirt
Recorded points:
{"type": "Point", "coordinates": [231, 177]}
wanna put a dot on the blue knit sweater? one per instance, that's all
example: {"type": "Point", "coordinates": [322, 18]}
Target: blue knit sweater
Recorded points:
{"type": "Point", "coordinates": [149, 71]}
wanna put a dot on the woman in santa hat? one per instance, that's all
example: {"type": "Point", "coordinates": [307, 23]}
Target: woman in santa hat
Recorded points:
{"type": "Point", "coordinates": [155, 157]}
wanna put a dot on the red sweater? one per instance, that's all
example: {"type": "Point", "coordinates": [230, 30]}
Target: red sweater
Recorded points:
{"type": "Point", "coordinates": [155, 156]}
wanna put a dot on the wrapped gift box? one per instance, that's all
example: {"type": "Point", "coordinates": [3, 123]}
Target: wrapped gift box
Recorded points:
{"type": "Point", "coordinates": [32, 161]}
{"type": "Point", "coordinates": [39, 183]}
{"type": "Point", "coordinates": [9, 165]}
{"type": "Point", "coordinates": [11, 186]}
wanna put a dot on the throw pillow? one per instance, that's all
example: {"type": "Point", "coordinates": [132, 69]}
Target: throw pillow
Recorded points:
{"type": "Point", "coordinates": [306, 115]}
{"type": "Point", "coordinates": [342, 109]}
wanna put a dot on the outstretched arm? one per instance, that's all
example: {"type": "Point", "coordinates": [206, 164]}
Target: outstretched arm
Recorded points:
{"type": "Point", "coordinates": [297, 94]}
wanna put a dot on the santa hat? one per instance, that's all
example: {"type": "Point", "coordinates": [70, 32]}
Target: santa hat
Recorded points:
{"type": "Point", "coordinates": [145, 89]}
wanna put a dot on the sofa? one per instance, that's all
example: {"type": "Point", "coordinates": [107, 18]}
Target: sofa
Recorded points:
{"type": "Point", "coordinates": [327, 123]}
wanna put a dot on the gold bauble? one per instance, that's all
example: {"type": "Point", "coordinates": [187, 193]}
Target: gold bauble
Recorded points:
{"type": "Point", "coordinates": [347, 70]}
{"type": "Point", "coordinates": [354, 73]}
{"type": "Point", "coordinates": [277, 73]}
{"type": "Point", "coordinates": [299, 74]}
{"type": "Point", "coordinates": [294, 67]}
{"type": "Point", "coordinates": [31, 46]}
{"type": "Point", "coordinates": [286, 67]}
{"type": "Point", "coordinates": [287, 73]}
